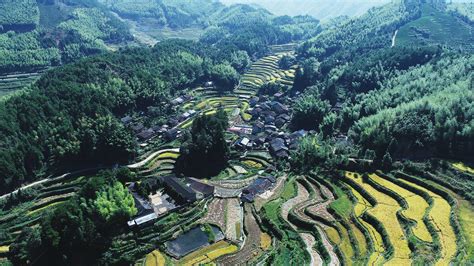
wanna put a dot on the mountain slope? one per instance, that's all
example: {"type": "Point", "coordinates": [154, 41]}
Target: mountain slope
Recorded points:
{"type": "Point", "coordinates": [435, 26]}
{"type": "Point", "coordinates": [320, 9]}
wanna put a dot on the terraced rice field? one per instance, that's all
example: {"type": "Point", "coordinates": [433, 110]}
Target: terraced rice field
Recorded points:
{"type": "Point", "coordinates": [463, 168]}
{"type": "Point", "coordinates": [417, 207]}
{"type": "Point", "coordinates": [251, 249]}
{"type": "Point", "coordinates": [265, 241]}
{"type": "Point", "coordinates": [264, 71]}
{"type": "Point", "coordinates": [385, 212]}
{"type": "Point", "coordinates": [208, 254]}
{"type": "Point", "coordinates": [439, 215]}
{"type": "Point", "coordinates": [155, 258]}
{"type": "Point", "coordinates": [361, 206]}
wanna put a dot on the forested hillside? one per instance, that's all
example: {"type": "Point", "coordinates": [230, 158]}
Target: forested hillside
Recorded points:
{"type": "Point", "coordinates": [396, 100]}
{"type": "Point", "coordinates": [37, 35]}
{"type": "Point", "coordinates": [265, 140]}
{"type": "Point", "coordinates": [67, 117]}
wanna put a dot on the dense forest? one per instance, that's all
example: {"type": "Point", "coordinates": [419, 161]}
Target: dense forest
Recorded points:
{"type": "Point", "coordinates": [68, 115]}
{"type": "Point", "coordinates": [348, 120]}
{"type": "Point", "coordinates": [388, 106]}
{"type": "Point", "coordinates": [60, 34]}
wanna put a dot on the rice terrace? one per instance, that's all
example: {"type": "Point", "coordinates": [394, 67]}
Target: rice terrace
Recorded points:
{"type": "Point", "coordinates": [209, 132]}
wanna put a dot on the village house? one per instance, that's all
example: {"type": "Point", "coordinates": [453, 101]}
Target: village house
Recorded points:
{"type": "Point", "coordinates": [137, 128]}
{"type": "Point", "coordinates": [146, 134]}
{"type": "Point", "coordinates": [278, 148]}
{"type": "Point", "coordinates": [126, 120]}
{"type": "Point", "coordinates": [182, 193]}
{"type": "Point", "coordinates": [259, 186]}
{"type": "Point", "coordinates": [172, 134]}
{"type": "Point", "coordinates": [243, 143]}
{"type": "Point", "coordinates": [177, 101]}
{"type": "Point", "coordinates": [253, 101]}
{"type": "Point", "coordinates": [279, 108]}
{"type": "Point", "coordinates": [203, 190]}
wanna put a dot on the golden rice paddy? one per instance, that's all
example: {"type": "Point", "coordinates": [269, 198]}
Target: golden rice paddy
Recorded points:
{"type": "Point", "coordinates": [417, 207]}
{"type": "Point", "coordinates": [385, 212]}
{"type": "Point", "coordinates": [155, 258]}
{"type": "Point", "coordinates": [439, 215]}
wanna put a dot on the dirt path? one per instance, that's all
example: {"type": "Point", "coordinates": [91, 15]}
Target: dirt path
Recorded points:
{"type": "Point", "coordinates": [394, 38]}
{"type": "Point", "coordinates": [301, 197]}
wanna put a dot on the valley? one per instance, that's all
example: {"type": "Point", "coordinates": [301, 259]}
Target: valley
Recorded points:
{"type": "Point", "coordinates": [176, 134]}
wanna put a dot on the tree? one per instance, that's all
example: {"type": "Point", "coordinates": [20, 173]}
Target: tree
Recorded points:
{"type": "Point", "coordinates": [387, 161]}
{"type": "Point", "coordinates": [27, 247]}
{"type": "Point", "coordinates": [312, 153]}
{"type": "Point", "coordinates": [309, 112]}
{"type": "Point", "coordinates": [225, 77]}
{"type": "Point", "coordinates": [287, 61]}
{"type": "Point", "coordinates": [240, 60]}
{"type": "Point", "coordinates": [206, 152]}
{"type": "Point", "coordinates": [115, 203]}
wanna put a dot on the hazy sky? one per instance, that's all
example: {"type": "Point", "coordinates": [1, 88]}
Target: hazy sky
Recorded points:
{"type": "Point", "coordinates": [321, 9]}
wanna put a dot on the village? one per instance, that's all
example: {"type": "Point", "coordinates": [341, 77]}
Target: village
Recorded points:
{"type": "Point", "coordinates": [258, 131]}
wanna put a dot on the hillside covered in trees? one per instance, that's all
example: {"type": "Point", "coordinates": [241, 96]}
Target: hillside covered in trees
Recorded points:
{"type": "Point", "coordinates": [268, 140]}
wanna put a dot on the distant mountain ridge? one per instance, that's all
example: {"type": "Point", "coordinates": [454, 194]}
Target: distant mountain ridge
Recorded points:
{"type": "Point", "coordinates": [320, 9]}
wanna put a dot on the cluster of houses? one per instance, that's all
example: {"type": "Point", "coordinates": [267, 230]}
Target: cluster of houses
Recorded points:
{"type": "Point", "coordinates": [169, 131]}
{"type": "Point", "coordinates": [269, 119]}
{"type": "Point", "coordinates": [171, 194]}
{"type": "Point", "coordinates": [144, 134]}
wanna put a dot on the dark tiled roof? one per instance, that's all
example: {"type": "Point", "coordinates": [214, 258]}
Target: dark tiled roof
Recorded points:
{"type": "Point", "coordinates": [127, 119]}
{"type": "Point", "coordinates": [184, 192]}
{"type": "Point", "coordinates": [146, 134]}
{"type": "Point", "coordinates": [205, 189]}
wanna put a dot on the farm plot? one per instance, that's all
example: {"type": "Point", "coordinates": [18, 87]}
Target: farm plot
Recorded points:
{"type": "Point", "coordinates": [360, 207]}
{"type": "Point", "coordinates": [385, 213]}
{"type": "Point", "coordinates": [416, 209]}
{"type": "Point", "coordinates": [463, 168]}
{"type": "Point", "coordinates": [298, 204]}
{"type": "Point", "coordinates": [263, 71]}
{"type": "Point", "coordinates": [251, 250]}
{"type": "Point", "coordinates": [155, 258]}
{"type": "Point", "coordinates": [161, 162]}
{"type": "Point", "coordinates": [216, 213]}
{"type": "Point", "coordinates": [440, 216]}
{"type": "Point", "coordinates": [208, 254]}
{"type": "Point", "coordinates": [234, 220]}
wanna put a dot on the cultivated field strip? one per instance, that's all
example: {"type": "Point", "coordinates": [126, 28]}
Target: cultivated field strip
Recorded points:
{"type": "Point", "coordinates": [416, 207]}
{"type": "Point", "coordinates": [309, 195]}
{"type": "Point", "coordinates": [385, 212]}
{"type": "Point", "coordinates": [301, 198]}
{"type": "Point", "coordinates": [263, 71]}
{"type": "Point", "coordinates": [440, 216]}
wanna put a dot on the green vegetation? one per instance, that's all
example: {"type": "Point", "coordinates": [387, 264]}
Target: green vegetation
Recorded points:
{"type": "Point", "coordinates": [77, 32]}
{"type": "Point", "coordinates": [436, 27]}
{"type": "Point", "coordinates": [67, 115]}
{"type": "Point", "coordinates": [206, 152]}
{"type": "Point", "coordinates": [18, 13]}
{"type": "Point", "coordinates": [114, 202]}
{"type": "Point", "coordinates": [390, 90]}
{"type": "Point", "coordinates": [72, 231]}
